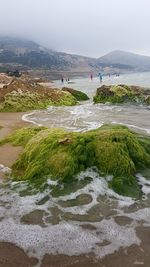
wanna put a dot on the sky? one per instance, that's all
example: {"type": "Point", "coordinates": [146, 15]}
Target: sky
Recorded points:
{"type": "Point", "coordinates": [85, 27]}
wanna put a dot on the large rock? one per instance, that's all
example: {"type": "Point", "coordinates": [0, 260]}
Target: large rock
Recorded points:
{"type": "Point", "coordinates": [4, 78]}
{"type": "Point", "coordinates": [114, 150]}
{"type": "Point", "coordinates": [80, 96]}
{"type": "Point", "coordinates": [121, 93]}
{"type": "Point", "coordinates": [21, 95]}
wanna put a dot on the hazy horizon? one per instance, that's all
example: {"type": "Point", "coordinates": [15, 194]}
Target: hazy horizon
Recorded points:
{"type": "Point", "coordinates": [81, 27]}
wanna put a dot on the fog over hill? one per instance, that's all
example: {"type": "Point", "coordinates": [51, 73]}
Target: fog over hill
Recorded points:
{"type": "Point", "coordinates": [26, 54]}
{"type": "Point", "coordinates": [139, 62]}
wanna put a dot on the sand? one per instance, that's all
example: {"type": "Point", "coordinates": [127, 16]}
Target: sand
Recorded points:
{"type": "Point", "coordinates": [13, 256]}
{"type": "Point", "coordinates": [8, 153]}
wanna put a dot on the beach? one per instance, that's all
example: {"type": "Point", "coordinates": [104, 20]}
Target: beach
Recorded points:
{"type": "Point", "coordinates": [9, 123]}
{"type": "Point", "coordinates": [89, 225]}
{"type": "Point", "coordinates": [13, 256]}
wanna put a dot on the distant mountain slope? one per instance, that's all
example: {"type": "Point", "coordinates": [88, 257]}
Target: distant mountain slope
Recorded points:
{"type": "Point", "coordinates": [30, 54]}
{"type": "Point", "coordinates": [17, 45]}
{"type": "Point", "coordinates": [136, 61]}
{"type": "Point", "coordinates": [26, 54]}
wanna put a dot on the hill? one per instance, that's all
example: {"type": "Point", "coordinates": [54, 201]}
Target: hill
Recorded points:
{"type": "Point", "coordinates": [27, 54]}
{"type": "Point", "coordinates": [24, 54]}
{"type": "Point", "coordinates": [122, 58]}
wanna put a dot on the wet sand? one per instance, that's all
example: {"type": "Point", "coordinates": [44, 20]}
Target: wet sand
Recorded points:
{"type": "Point", "coordinates": [11, 122]}
{"type": "Point", "coordinates": [8, 153]}
{"type": "Point", "coordinates": [13, 256]}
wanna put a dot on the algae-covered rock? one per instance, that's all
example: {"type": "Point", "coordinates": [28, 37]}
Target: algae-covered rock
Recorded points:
{"type": "Point", "coordinates": [147, 100]}
{"type": "Point", "coordinates": [22, 136]}
{"type": "Point", "coordinates": [80, 96]}
{"type": "Point", "coordinates": [22, 95]}
{"type": "Point", "coordinates": [114, 150]}
{"type": "Point", "coordinates": [121, 93]}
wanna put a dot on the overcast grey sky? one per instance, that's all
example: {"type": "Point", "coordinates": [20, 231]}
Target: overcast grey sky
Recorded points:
{"type": "Point", "coordinates": [86, 27]}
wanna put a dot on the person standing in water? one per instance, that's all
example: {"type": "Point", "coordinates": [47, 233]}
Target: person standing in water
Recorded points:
{"type": "Point", "coordinates": [62, 79]}
{"type": "Point", "coordinates": [91, 76]}
{"type": "Point", "coordinates": [100, 77]}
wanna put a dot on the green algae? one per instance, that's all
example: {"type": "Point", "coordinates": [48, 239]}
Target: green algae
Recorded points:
{"type": "Point", "coordinates": [147, 100]}
{"type": "Point", "coordinates": [22, 136]}
{"type": "Point", "coordinates": [24, 101]}
{"type": "Point", "coordinates": [114, 150]}
{"type": "Point", "coordinates": [120, 94]}
{"type": "Point", "coordinates": [80, 96]}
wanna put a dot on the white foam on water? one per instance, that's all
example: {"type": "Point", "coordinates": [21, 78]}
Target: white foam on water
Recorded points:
{"type": "Point", "coordinates": [83, 117]}
{"type": "Point", "coordinates": [141, 215]}
{"type": "Point", "coordinates": [108, 107]}
{"type": "Point", "coordinates": [138, 263]}
{"type": "Point", "coordinates": [67, 238]}
{"type": "Point", "coordinates": [92, 125]}
{"type": "Point", "coordinates": [63, 238]}
{"type": "Point", "coordinates": [97, 187]}
{"type": "Point", "coordinates": [145, 183]}
{"type": "Point", "coordinates": [81, 110]}
{"type": "Point", "coordinates": [132, 126]}
{"type": "Point", "coordinates": [118, 236]}
{"type": "Point", "coordinates": [25, 118]}
{"type": "Point", "coordinates": [20, 206]}
{"type": "Point", "coordinates": [52, 182]}
{"type": "Point", "coordinates": [4, 169]}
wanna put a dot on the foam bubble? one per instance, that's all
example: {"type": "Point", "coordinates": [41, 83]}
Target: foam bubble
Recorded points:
{"type": "Point", "coordinates": [97, 187]}
{"type": "Point", "coordinates": [132, 126]}
{"type": "Point", "coordinates": [52, 182]}
{"type": "Point", "coordinates": [144, 183]}
{"type": "Point", "coordinates": [4, 169]}
{"type": "Point", "coordinates": [25, 118]}
{"type": "Point", "coordinates": [68, 237]}
{"type": "Point", "coordinates": [141, 215]}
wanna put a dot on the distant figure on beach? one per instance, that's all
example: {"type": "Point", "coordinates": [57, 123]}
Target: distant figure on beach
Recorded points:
{"type": "Point", "coordinates": [91, 76]}
{"type": "Point", "coordinates": [100, 77]}
{"type": "Point", "coordinates": [62, 79]}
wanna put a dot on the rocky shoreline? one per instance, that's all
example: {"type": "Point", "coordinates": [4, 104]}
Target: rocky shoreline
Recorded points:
{"type": "Point", "coordinates": [22, 95]}
{"type": "Point", "coordinates": [114, 150]}
{"type": "Point", "coordinates": [122, 94]}
{"type": "Point", "coordinates": [34, 152]}
{"type": "Point", "coordinates": [9, 123]}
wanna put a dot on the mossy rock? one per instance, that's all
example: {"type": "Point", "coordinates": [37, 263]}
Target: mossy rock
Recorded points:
{"type": "Point", "coordinates": [121, 94]}
{"type": "Point", "coordinates": [147, 100]}
{"type": "Point", "coordinates": [114, 150]}
{"type": "Point", "coordinates": [21, 95]}
{"type": "Point", "coordinates": [31, 101]}
{"type": "Point", "coordinates": [22, 136]}
{"type": "Point", "coordinates": [80, 96]}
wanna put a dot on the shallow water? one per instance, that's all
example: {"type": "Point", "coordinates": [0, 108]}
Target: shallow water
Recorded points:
{"type": "Point", "coordinates": [87, 116]}
{"type": "Point", "coordinates": [86, 216]}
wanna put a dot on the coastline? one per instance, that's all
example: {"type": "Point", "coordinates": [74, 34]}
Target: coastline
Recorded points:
{"type": "Point", "coordinates": [11, 121]}
{"type": "Point", "coordinates": [8, 153]}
